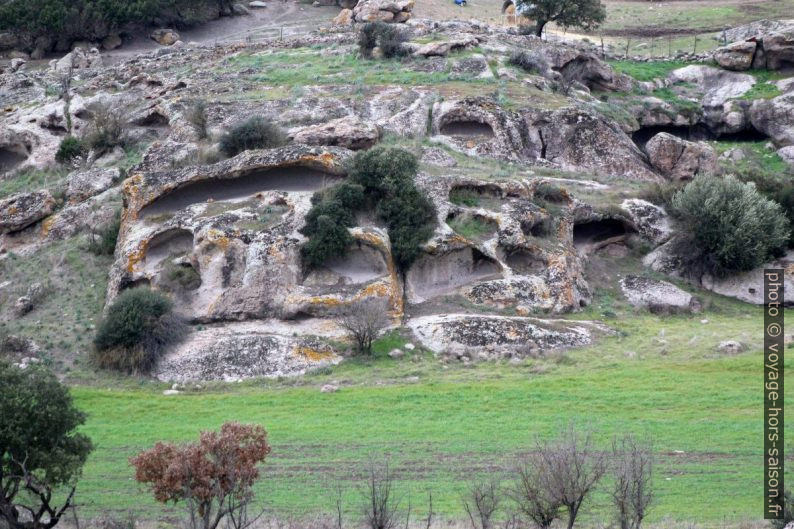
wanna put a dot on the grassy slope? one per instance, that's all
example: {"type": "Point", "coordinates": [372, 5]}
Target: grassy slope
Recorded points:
{"type": "Point", "coordinates": [659, 376]}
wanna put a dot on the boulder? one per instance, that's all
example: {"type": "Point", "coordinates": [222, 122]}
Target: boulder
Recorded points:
{"type": "Point", "coordinates": [87, 183]}
{"type": "Point", "coordinates": [349, 132]}
{"type": "Point", "coordinates": [731, 347]}
{"type": "Point", "coordinates": [787, 155]}
{"type": "Point", "coordinates": [772, 117]}
{"type": "Point", "coordinates": [749, 286]}
{"type": "Point", "coordinates": [463, 333]}
{"type": "Point", "coordinates": [678, 159]}
{"type": "Point", "coordinates": [444, 47]}
{"type": "Point", "coordinates": [240, 10]}
{"type": "Point", "coordinates": [165, 37]}
{"type": "Point", "coordinates": [395, 11]}
{"type": "Point", "coordinates": [329, 388]}
{"type": "Point", "coordinates": [344, 18]}
{"type": "Point", "coordinates": [396, 354]}
{"type": "Point", "coordinates": [779, 50]}
{"type": "Point", "coordinates": [23, 209]}
{"type": "Point", "coordinates": [111, 42]}
{"type": "Point", "coordinates": [651, 221]}
{"type": "Point", "coordinates": [737, 56]}
{"type": "Point", "coordinates": [16, 64]}
{"type": "Point", "coordinates": [257, 4]}
{"type": "Point", "coordinates": [656, 296]}
{"type": "Point", "coordinates": [79, 59]}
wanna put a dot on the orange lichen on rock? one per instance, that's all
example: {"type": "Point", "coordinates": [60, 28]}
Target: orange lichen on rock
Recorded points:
{"type": "Point", "coordinates": [311, 354]}
{"type": "Point", "coordinates": [136, 256]}
{"type": "Point", "coordinates": [46, 225]}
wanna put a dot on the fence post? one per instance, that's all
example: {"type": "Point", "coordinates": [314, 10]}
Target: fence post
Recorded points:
{"type": "Point", "coordinates": [695, 47]}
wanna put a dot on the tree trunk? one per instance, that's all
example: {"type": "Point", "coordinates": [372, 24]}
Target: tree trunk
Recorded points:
{"type": "Point", "coordinates": [539, 27]}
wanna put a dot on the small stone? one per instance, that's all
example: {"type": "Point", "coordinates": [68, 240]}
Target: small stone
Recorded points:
{"type": "Point", "coordinates": [329, 388]}
{"type": "Point", "coordinates": [731, 347]}
{"type": "Point", "coordinates": [23, 305]}
{"type": "Point", "coordinates": [257, 4]}
{"type": "Point", "coordinates": [396, 353]}
{"type": "Point", "coordinates": [170, 392]}
{"type": "Point", "coordinates": [409, 346]}
{"type": "Point", "coordinates": [704, 321]}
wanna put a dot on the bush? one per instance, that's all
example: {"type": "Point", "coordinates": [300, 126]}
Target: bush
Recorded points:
{"type": "Point", "coordinates": [530, 62]}
{"type": "Point", "coordinates": [728, 225]}
{"type": "Point", "coordinates": [254, 133]}
{"type": "Point", "coordinates": [70, 150]}
{"type": "Point", "coordinates": [774, 186]}
{"type": "Point", "coordinates": [383, 170]}
{"type": "Point", "coordinates": [137, 328]}
{"type": "Point", "coordinates": [108, 130]}
{"type": "Point", "coordinates": [409, 216]}
{"type": "Point", "coordinates": [196, 115]}
{"type": "Point", "coordinates": [102, 241]}
{"type": "Point", "coordinates": [388, 37]}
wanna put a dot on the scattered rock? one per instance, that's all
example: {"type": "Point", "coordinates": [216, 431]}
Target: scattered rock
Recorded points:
{"type": "Point", "coordinates": [659, 297]}
{"type": "Point", "coordinates": [329, 388]}
{"type": "Point", "coordinates": [679, 159]}
{"type": "Point", "coordinates": [78, 59]}
{"type": "Point", "coordinates": [344, 18]}
{"type": "Point", "coordinates": [409, 346]}
{"type": "Point", "coordinates": [731, 347]}
{"type": "Point", "coordinates": [23, 209]}
{"type": "Point", "coordinates": [257, 4]}
{"type": "Point", "coordinates": [393, 11]}
{"type": "Point", "coordinates": [439, 157]}
{"type": "Point", "coordinates": [23, 305]}
{"type": "Point", "coordinates": [170, 392]}
{"type": "Point", "coordinates": [16, 64]}
{"type": "Point", "coordinates": [165, 37]}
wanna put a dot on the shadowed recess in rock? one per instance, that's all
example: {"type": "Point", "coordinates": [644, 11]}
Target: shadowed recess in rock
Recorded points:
{"type": "Point", "coordinates": [170, 242]}
{"type": "Point", "coordinates": [360, 265]}
{"type": "Point", "coordinates": [467, 128]}
{"type": "Point", "coordinates": [10, 159]}
{"type": "Point", "coordinates": [524, 262]}
{"type": "Point", "coordinates": [295, 179]}
{"type": "Point", "coordinates": [597, 231]}
{"type": "Point", "coordinates": [433, 275]}
{"type": "Point", "coordinates": [153, 120]}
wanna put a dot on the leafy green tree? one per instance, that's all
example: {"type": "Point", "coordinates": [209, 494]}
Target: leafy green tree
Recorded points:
{"type": "Point", "coordinates": [40, 449]}
{"type": "Point", "coordinates": [585, 14]}
{"type": "Point", "coordinates": [728, 225]}
{"type": "Point", "coordinates": [383, 170]}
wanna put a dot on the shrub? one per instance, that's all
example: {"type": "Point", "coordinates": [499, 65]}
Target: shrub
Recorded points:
{"type": "Point", "coordinates": [409, 216]}
{"type": "Point", "coordinates": [70, 150]}
{"type": "Point", "coordinates": [196, 115]}
{"type": "Point", "coordinates": [383, 170]}
{"type": "Point", "coordinates": [254, 133]}
{"type": "Point", "coordinates": [551, 193]}
{"type": "Point", "coordinates": [660, 194]}
{"type": "Point", "coordinates": [363, 320]}
{"type": "Point", "coordinates": [728, 225]}
{"type": "Point", "coordinates": [213, 477]}
{"type": "Point", "coordinates": [102, 241]}
{"type": "Point", "coordinates": [530, 62]}
{"type": "Point", "coordinates": [328, 239]}
{"type": "Point", "coordinates": [388, 37]}
{"type": "Point", "coordinates": [137, 328]}
{"type": "Point", "coordinates": [773, 186]}
{"type": "Point", "coordinates": [40, 446]}
{"type": "Point", "coordinates": [108, 129]}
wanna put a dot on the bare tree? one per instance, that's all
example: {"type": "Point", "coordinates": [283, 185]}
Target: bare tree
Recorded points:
{"type": "Point", "coordinates": [482, 502]}
{"type": "Point", "coordinates": [531, 491]}
{"type": "Point", "coordinates": [632, 468]}
{"type": "Point", "coordinates": [363, 320]}
{"type": "Point", "coordinates": [572, 468]}
{"type": "Point", "coordinates": [380, 506]}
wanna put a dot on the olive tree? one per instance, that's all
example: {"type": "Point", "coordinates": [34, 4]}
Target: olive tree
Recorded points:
{"type": "Point", "coordinates": [40, 449]}
{"type": "Point", "coordinates": [585, 14]}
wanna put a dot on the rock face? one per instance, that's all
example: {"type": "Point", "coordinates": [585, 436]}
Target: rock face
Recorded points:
{"type": "Point", "coordinates": [772, 117]}
{"type": "Point", "coordinates": [393, 11]}
{"type": "Point", "coordinates": [656, 296]}
{"type": "Point", "coordinates": [737, 56]}
{"type": "Point", "coordinates": [87, 183]}
{"type": "Point", "coordinates": [679, 159]}
{"type": "Point", "coordinates": [349, 132]}
{"type": "Point", "coordinates": [779, 50]}
{"type": "Point", "coordinates": [23, 209]}
{"type": "Point", "coordinates": [244, 350]}
{"type": "Point", "coordinates": [501, 336]}
{"type": "Point", "coordinates": [749, 286]}
{"type": "Point", "coordinates": [650, 220]}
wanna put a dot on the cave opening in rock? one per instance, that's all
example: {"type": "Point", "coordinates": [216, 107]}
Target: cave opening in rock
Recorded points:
{"type": "Point", "coordinates": [643, 135]}
{"type": "Point", "coordinates": [524, 262]}
{"type": "Point", "coordinates": [168, 243]}
{"type": "Point", "coordinates": [589, 233]}
{"type": "Point", "coordinates": [10, 160]}
{"type": "Point", "coordinates": [748, 135]}
{"type": "Point", "coordinates": [361, 264]}
{"type": "Point", "coordinates": [127, 284]}
{"type": "Point", "coordinates": [467, 129]}
{"type": "Point", "coordinates": [486, 196]}
{"type": "Point", "coordinates": [291, 179]}
{"type": "Point", "coordinates": [434, 275]}
{"type": "Point", "coordinates": [154, 120]}
{"type": "Point", "coordinates": [472, 226]}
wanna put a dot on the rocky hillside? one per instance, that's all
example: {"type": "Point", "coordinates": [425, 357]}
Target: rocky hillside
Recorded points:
{"type": "Point", "coordinates": [538, 156]}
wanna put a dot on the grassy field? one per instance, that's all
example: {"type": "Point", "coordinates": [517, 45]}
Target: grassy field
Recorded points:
{"type": "Point", "coordinates": [440, 425]}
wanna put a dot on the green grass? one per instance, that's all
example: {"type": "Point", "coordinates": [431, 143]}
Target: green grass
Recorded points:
{"type": "Point", "coordinates": [659, 376]}
{"type": "Point", "coordinates": [647, 71]}
{"type": "Point", "coordinates": [756, 156]}
{"type": "Point", "coordinates": [34, 179]}
{"type": "Point", "coordinates": [473, 228]}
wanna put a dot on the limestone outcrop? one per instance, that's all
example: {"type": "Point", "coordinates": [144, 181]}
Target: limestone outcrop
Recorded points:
{"type": "Point", "coordinates": [23, 209]}
{"type": "Point", "coordinates": [679, 159]}
{"type": "Point", "coordinates": [660, 297]}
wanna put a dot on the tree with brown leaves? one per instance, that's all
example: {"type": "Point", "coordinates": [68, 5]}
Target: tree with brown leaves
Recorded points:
{"type": "Point", "coordinates": [213, 477]}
